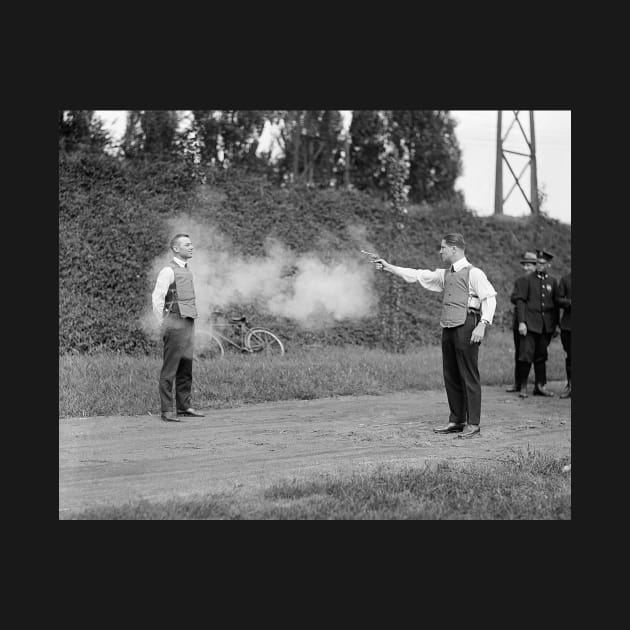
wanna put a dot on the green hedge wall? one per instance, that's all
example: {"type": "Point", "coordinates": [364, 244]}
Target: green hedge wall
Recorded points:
{"type": "Point", "coordinates": [113, 224]}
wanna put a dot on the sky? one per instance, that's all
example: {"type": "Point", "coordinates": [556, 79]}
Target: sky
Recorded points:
{"type": "Point", "coordinates": [476, 133]}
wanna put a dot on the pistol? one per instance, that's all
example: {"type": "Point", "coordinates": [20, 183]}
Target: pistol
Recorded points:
{"type": "Point", "coordinates": [373, 259]}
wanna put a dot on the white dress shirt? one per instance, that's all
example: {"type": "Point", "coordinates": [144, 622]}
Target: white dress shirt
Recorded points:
{"type": "Point", "coordinates": [480, 292]}
{"type": "Point", "coordinates": [165, 278]}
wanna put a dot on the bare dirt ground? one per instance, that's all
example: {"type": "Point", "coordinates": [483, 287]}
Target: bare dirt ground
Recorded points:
{"type": "Point", "coordinates": [113, 460]}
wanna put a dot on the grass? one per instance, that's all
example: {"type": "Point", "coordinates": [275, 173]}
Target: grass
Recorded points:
{"type": "Point", "coordinates": [527, 486]}
{"type": "Point", "coordinates": [118, 384]}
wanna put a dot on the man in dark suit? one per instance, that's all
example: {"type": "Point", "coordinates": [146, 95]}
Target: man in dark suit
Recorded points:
{"type": "Point", "coordinates": [537, 313]}
{"type": "Point", "coordinates": [564, 302]}
{"type": "Point", "coordinates": [528, 265]}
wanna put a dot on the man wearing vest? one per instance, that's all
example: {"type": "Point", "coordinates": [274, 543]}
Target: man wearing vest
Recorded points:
{"type": "Point", "coordinates": [468, 305]}
{"type": "Point", "coordinates": [537, 312]}
{"type": "Point", "coordinates": [528, 264]}
{"type": "Point", "coordinates": [174, 306]}
{"type": "Point", "coordinates": [564, 302]}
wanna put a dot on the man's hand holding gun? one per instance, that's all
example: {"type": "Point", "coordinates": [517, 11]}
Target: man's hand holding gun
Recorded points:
{"type": "Point", "coordinates": [380, 263]}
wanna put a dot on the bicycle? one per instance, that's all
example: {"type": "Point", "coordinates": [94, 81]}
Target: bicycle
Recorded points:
{"type": "Point", "coordinates": [209, 344]}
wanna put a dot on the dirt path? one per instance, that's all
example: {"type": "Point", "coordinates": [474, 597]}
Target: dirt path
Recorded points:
{"type": "Point", "coordinates": [112, 460]}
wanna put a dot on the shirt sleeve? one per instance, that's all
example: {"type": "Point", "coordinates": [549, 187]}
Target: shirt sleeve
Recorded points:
{"type": "Point", "coordinates": [488, 306]}
{"type": "Point", "coordinates": [431, 280]}
{"type": "Point", "coordinates": [165, 278]}
{"type": "Point", "coordinates": [482, 288]}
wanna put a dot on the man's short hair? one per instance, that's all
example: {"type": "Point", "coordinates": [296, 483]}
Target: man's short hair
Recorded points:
{"type": "Point", "coordinates": [176, 238]}
{"type": "Point", "coordinates": [455, 239]}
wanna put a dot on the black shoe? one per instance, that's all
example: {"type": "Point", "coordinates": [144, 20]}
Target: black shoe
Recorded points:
{"type": "Point", "coordinates": [540, 390]}
{"type": "Point", "coordinates": [170, 417]}
{"type": "Point", "coordinates": [451, 427]}
{"type": "Point", "coordinates": [470, 431]}
{"type": "Point", "coordinates": [513, 388]}
{"type": "Point", "coordinates": [191, 413]}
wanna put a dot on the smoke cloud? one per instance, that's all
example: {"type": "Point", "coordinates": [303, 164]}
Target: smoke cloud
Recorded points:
{"type": "Point", "coordinates": [312, 291]}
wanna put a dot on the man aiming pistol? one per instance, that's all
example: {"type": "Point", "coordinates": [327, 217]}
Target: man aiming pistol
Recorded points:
{"type": "Point", "coordinates": [468, 306]}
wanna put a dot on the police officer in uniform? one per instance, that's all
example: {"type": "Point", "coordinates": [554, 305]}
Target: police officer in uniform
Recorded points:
{"type": "Point", "coordinates": [564, 302]}
{"type": "Point", "coordinates": [175, 308]}
{"type": "Point", "coordinates": [528, 265]}
{"type": "Point", "coordinates": [468, 305]}
{"type": "Point", "coordinates": [537, 313]}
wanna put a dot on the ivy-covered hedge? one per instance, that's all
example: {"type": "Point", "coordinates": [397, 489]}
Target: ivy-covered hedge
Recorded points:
{"type": "Point", "coordinates": [112, 225]}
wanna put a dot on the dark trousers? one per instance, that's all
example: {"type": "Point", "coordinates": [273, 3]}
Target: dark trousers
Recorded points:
{"type": "Point", "coordinates": [565, 338]}
{"type": "Point", "coordinates": [517, 341]}
{"type": "Point", "coordinates": [177, 335]}
{"type": "Point", "coordinates": [461, 372]}
{"type": "Point", "coordinates": [533, 349]}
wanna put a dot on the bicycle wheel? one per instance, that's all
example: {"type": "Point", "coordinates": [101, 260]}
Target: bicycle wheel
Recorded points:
{"type": "Point", "coordinates": [207, 346]}
{"type": "Point", "coordinates": [261, 341]}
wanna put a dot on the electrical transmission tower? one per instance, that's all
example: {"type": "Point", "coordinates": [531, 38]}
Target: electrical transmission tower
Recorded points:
{"type": "Point", "coordinates": [499, 199]}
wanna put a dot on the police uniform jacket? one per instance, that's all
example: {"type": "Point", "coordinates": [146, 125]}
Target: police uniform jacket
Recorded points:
{"type": "Point", "coordinates": [536, 302]}
{"type": "Point", "coordinates": [564, 301]}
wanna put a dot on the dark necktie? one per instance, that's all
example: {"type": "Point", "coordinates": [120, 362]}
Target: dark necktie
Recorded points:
{"type": "Point", "coordinates": [452, 268]}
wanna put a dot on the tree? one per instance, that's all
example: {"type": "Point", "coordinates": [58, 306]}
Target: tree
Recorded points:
{"type": "Point", "coordinates": [230, 137]}
{"type": "Point", "coordinates": [327, 144]}
{"type": "Point", "coordinates": [160, 127]}
{"type": "Point", "coordinates": [290, 125]}
{"type": "Point", "coordinates": [131, 144]}
{"type": "Point", "coordinates": [311, 143]}
{"type": "Point", "coordinates": [80, 130]}
{"type": "Point", "coordinates": [150, 133]}
{"type": "Point", "coordinates": [368, 133]}
{"type": "Point", "coordinates": [426, 137]}
{"type": "Point", "coordinates": [434, 153]}
{"type": "Point", "coordinates": [397, 173]}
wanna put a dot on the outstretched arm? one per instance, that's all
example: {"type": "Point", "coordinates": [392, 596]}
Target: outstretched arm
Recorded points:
{"type": "Point", "coordinates": [430, 280]}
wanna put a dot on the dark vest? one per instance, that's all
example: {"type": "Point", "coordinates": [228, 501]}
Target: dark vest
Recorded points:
{"type": "Point", "coordinates": [455, 297]}
{"type": "Point", "coordinates": [180, 297]}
